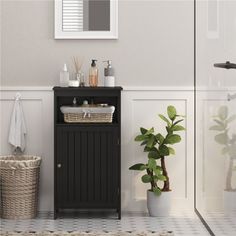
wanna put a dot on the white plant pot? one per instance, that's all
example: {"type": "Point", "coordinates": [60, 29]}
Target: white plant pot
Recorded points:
{"type": "Point", "coordinates": [229, 201]}
{"type": "Point", "coordinates": [159, 205]}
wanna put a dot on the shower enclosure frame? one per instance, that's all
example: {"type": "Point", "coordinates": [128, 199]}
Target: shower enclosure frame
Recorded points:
{"type": "Point", "coordinates": [195, 124]}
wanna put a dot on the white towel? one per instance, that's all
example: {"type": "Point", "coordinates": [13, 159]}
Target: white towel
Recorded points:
{"type": "Point", "coordinates": [17, 127]}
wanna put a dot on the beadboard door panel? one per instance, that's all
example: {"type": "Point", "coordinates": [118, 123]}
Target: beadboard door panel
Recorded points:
{"type": "Point", "coordinates": [87, 176]}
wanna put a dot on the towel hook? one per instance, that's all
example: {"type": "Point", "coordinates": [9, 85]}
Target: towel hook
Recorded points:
{"type": "Point", "coordinates": [18, 96]}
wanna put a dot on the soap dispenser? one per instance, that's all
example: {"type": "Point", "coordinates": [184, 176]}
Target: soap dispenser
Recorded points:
{"type": "Point", "coordinates": [93, 74]}
{"type": "Point", "coordinates": [109, 75]}
{"type": "Point", "coordinates": [64, 77]}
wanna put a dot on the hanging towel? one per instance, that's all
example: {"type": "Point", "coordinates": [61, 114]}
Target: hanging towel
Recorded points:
{"type": "Point", "coordinates": [17, 127]}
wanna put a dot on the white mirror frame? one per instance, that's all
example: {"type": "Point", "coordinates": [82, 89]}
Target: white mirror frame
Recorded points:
{"type": "Point", "coordinates": [112, 34]}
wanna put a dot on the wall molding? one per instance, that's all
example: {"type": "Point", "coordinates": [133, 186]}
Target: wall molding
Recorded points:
{"type": "Point", "coordinates": [152, 100]}
{"type": "Point", "coordinates": [25, 88]}
{"type": "Point", "coordinates": [125, 88]}
{"type": "Point", "coordinates": [129, 88]}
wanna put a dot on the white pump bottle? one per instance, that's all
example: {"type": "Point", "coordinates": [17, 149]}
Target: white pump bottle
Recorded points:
{"type": "Point", "coordinates": [109, 75]}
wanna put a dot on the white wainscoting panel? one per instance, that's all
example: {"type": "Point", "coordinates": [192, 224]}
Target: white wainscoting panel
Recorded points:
{"type": "Point", "coordinates": [38, 112]}
{"type": "Point", "coordinates": [139, 108]}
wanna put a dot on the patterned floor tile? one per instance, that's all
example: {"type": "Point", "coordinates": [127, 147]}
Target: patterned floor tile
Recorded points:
{"type": "Point", "coordinates": [186, 224]}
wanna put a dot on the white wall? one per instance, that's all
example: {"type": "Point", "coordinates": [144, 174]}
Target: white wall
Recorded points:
{"type": "Point", "coordinates": [155, 45]}
{"type": "Point", "coordinates": [155, 48]}
{"type": "Point", "coordinates": [139, 108]}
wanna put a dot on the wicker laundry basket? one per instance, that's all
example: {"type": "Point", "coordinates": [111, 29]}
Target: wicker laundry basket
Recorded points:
{"type": "Point", "coordinates": [19, 184]}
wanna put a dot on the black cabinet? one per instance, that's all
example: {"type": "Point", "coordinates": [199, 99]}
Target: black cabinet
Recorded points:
{"type": "Point", "coordinates": [87, 156]}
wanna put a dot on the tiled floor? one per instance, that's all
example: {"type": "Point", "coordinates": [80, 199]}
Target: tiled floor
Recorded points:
{"type": "Point", "coordinates": [220, 223]}
{"type": "Point", "coordinates": [184, 224]}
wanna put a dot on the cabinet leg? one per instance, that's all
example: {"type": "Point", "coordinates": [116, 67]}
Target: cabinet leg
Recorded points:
{"type": "Point", "coordinates": [55, 214]}
{"type": "Point", "coordinates": [119, 214]}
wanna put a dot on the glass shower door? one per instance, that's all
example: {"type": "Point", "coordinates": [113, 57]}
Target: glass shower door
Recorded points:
{"type": "Point", "coordinates": [215, 116]}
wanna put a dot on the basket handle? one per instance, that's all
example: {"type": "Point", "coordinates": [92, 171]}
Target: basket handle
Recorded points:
{"type": "Point", "coordinates": [86, 114]}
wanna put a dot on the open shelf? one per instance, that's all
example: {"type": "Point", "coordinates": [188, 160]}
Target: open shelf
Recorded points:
{"type": "Point", "coordinates": [86, 124]}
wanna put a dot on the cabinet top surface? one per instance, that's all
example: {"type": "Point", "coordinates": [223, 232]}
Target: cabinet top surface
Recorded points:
{"type": "Point", "coordinates": [101, 88]}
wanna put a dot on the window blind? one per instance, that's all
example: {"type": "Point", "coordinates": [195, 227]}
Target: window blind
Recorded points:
{"type": "Point", "coordinates": [72, 15]}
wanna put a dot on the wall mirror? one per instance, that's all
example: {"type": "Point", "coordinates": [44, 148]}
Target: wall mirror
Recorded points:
{"type": "Point", "coordinates": [86, 19]}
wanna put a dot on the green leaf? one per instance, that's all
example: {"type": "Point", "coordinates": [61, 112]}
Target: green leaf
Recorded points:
{"type": "Point", "coordinates": [159, 168]}
{"type": "Point", "coordinates": [143, 130]}
{"type": "Point", "coordinates": [164, 151]}
{"type": "Point", "coordinates": [140, 138]}
{"type": "Point", "coordinates": [147, 149]}
{"type": "Point", "coordinates": [150, 149]}
{"type": "Point", "coordinates": [157, 191]}
{"type": "Point", "coordinates": [172, 139]}
{"type": "Point", "coordinates": [143, 143]}
{"type": "Point", "coordinates": [221, 138]}
{"type": "Point", "coordinates": [171, 111]}
{"type": "Point", "coordinates": [232, 151]}
{"type": "Point", "coordinates": [171, 150]}
{"type": "Point", "coordinates": [224, 150]}
{"type": "Point", "coordinates": [217, 128]}
{"type": "Point", "coordinates": [177, 128]}
{"type": "Point", "coordinates": [155, 178]}
{"type": "Point", "coordinates": [223, 112]}
{"type": "Point", "coordinates": [151, 141]}
{"type": "Point", "coordinates": [150, 131]}
{"type": "Point", "coordinates": [231, 118]}
{"type": "Point", "coordinates": [219, 123]}
{"type": "Point", "coordinates": [178, 121]}
{"type": "Point", "coordinates": [152, 163]}
{"type": "Point", "coordinates": [169, 131]}
{"type": "Point", "coordinates": [146, 178]}
{"type": "Point", "coordinates": [157, 171]}
{"type": "Point", "coordinates": [138, 166]}
{"type": "Point", "coordinates": [161, 177]}
{"type": "Point", "coordinates": [160, 138]}
{"type": "Point", "coordinates": [165, 119]}
{"type": "Point", "coordinates": [154, 154]}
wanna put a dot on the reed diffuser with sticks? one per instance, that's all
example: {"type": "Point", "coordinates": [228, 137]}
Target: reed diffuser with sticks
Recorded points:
{"type": "Point", "coordinates": [79, 75]}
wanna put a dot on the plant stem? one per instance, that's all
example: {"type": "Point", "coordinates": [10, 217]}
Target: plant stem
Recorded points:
{"type": "Point", "coordinates": [229, 176]}
{"type": "Point", "coordinates": [153, 183]}
{"type": "Point", "coordinates": [166, 186]}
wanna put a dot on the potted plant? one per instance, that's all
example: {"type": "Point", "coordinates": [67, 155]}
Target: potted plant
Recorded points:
{"type": "Point", "coordinates": [228, 141]}
{"type": "Point", "coordinates": [158, 147]}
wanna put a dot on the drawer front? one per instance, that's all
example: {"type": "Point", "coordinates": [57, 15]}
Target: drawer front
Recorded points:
{"type": "Point", "coordinates": [87, 167]}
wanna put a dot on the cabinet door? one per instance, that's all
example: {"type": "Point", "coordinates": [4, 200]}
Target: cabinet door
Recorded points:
{"type": "Point", "coordinates": [88, 171]}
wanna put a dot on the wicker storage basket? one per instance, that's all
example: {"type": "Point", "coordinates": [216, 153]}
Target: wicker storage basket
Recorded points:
{"type": "Point", "coordinates": [19, 183]}
{"type": "Point", "coordinates": [88, 114]}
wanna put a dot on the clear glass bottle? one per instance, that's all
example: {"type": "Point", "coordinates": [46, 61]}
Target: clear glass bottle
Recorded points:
{"type": "Point", "coordinates": [64, 77]}
{"type": "Point", "coordinates": [93, 74]}
{"type": "Point", "coordinates": [82, 80]}
{"type": "Point", "coordinates": [74, 82]}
